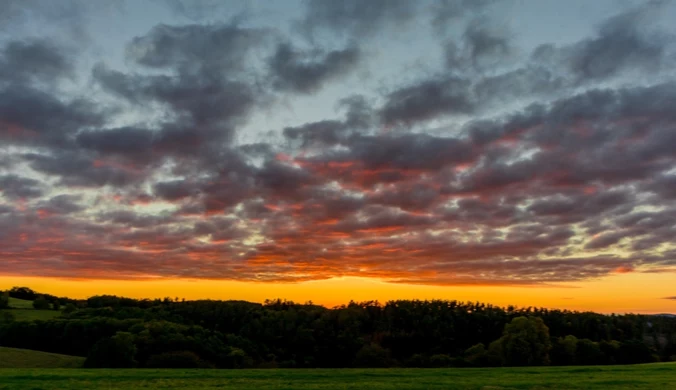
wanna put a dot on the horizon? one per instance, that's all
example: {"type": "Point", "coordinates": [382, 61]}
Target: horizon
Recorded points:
{"type": "Point", "coordinates": [502, 151]}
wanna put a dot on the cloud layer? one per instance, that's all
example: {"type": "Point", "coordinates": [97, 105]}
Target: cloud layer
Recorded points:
{"type": "Point", "coordinates": [502, 165]}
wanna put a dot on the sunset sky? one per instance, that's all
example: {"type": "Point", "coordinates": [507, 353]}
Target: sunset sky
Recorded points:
{"type": "Point", "coordinates": [512, 152]}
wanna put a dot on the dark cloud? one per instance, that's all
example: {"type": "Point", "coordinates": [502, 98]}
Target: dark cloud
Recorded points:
{"type": "Point", "coordinates": [31, 116]}
{"type": "Point", "coordinates": [61, 204]}
{"type": "Point", "coordinates": [673, 298]}
{"type": "Point", "coordinates": [428, 100]}
{"type": "Point", "coordinates": [77, 170]}
{"type": "Point", "coordinates": [36, 59]}
{"type": "Point", "coordinates": [299, 72]}
{"type": "Point", "coordinates": [15, 187]}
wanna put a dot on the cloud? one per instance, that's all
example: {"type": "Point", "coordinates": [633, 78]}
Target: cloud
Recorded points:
{"type": "Point", "coordinates": [35, 60]}
{"type": "Point", "coordinates": [210, 151]}
{"type": "Point", "coordinates": [427, 100]}
{"type": "Point", "coordinates": [355, 18]}
{"type": "Point", "coordinates": [16, 187]}
{"type": "Point", "coordinates": [293, 71]}
{"type": "Point", "coordinates": [622, 43]}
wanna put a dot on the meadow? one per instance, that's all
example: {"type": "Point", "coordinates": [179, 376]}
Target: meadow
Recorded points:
{"type": "Point", "coordinates": [647, 376]}
{"type": "Point", "coordinates": [23, 310]}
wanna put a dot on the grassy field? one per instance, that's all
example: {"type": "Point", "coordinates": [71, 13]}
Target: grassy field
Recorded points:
{"type": "Point", "coordinates": [20, 303]}
{"type": "Point", "coordinates": [652, 376]}
{"type": "Point", "coordinates": [23, 358]}
{"type": "Point", "coordinates": [23, 311]}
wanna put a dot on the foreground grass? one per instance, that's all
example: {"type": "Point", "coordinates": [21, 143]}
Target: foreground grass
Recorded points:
{"type": "Point", "coordinates": [23, 358]}
{"type": "Point", "coordinates": [651, 376]}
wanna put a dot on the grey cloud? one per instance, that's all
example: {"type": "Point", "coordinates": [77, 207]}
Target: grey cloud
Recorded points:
{"type": "Point", "coordinates": [23, 61]}
{"type": "Point", "coordinates": [427, 100]}
{"type": "Point", "coordinates": [30, 116]}
{"type": "Point", "coordinates": [15, 187]}
{"type": "Point", "coordinates": [62, 204]}
{"type": "Point", "coordinates": [445, 12]}
{"type": "Point", "coordinates": [356, 18]}
{"type": "Point", "coordinates": [622, 43]}
{"type": "Point", "coordinates": [125, 140]}
{"type": "Point", "coordinates": [484, 45]}
{"type": "Point", "coordinates": [215, 48]}
{"type": "Point", "coordinates": [77, 170]}
{"type": "Point", "coordinates": [299, 72]}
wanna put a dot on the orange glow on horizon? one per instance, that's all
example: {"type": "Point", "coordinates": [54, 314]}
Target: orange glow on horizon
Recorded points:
{"type": "Point", "coordinates": [621, 293]}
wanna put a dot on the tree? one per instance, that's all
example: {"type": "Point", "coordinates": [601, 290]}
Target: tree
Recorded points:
{"type": "Point", "coordinates": [118, 351]}
{"type": "Point", "coordinates": [4, 300]}
{"type": "Point", "coordinates": [69, 308]}
{"type": "Point", "coordinates": [588, 353]}
{"type": "Point", "coordinates": [526, 342]}
{"type": "Point", "coordinates": [56, 305]}
{"type": "Point", "coordinates": [41, 303]}
{"type": "Point", "coordinates": [563, 350]}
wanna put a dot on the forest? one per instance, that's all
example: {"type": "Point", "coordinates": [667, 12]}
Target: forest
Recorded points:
{"type": "Point", "coordinates": [116, 332]}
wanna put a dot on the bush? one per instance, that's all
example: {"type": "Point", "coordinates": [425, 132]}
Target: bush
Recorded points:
{"type": "Point", "coordinates": [373, 356]}
{"type": "Point", "coordinates": [440, 360]}
{"type": "Point", "coordinates": [7, 316]}
{"type": "Point", "coordinates": [69, 308]}
{"type": "Point", "coordinates": [176, 359]}
{"type": "Point", "coordinates": [41, 303]}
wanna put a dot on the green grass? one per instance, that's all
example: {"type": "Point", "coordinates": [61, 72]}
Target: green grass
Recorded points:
{"type": "Point", "coordinates": [651, 376]}
{"type": "Point", "coordinates": [24, 358]}
{"type": "Point", "coordinates": [20, 303]}
{"type": "Point", "coordinates": [23, 311]}
{"type": "Point", "coordinates": [30, 315]}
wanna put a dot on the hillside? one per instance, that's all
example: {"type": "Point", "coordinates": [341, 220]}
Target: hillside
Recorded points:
{"type": "Point", "coordinates": [24, 358]}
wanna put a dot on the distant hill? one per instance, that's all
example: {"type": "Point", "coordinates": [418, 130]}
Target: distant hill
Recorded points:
{"type": "Point", "coordinates": [24, 358]}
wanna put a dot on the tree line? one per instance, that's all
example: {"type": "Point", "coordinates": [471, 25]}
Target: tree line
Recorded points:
{"type": "Point", "coordinates": [123, 332]}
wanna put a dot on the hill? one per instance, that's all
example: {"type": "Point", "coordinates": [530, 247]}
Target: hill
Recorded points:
{"type": "Point", "coordinates": [24, 358]}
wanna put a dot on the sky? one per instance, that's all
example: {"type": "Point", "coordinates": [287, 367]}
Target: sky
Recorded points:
{"type": "Point", "coordinates": [505, 151]}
